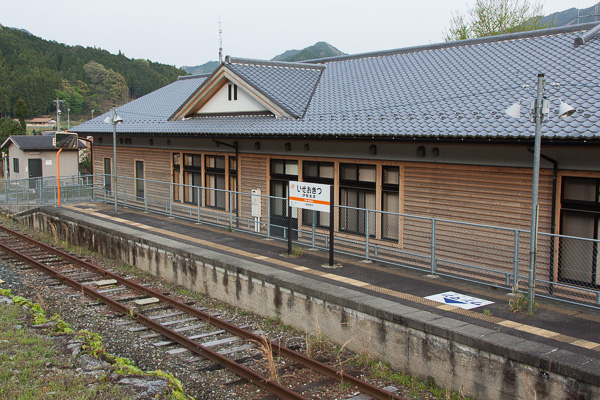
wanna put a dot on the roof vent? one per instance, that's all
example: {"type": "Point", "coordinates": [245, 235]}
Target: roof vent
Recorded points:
{"type": "Point", "coordinates": [587, 36]}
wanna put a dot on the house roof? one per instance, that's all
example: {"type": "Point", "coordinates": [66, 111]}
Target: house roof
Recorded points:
{"type": "Point", "coordinates": [448, 90]}
{"type": "Point", "coordinates": [34, 143]}
{"type": "Point", "coordinates": [41, 120]}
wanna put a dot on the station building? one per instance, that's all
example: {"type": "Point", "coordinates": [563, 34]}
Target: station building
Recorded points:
{"type": "Point", "coordinates": [419, 131]}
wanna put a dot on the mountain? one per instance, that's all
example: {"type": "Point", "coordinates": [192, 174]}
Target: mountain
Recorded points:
{"type": "Point", "coordinates": [570, 16]}
{"type": "Point", "coordinates": [318, 50]}
{"type": "Point", "coordinates": [85, 78]}
{"type": "Point", "coordinates": [201, 69]}
{"type": "Point", "coordinates": [285, 55]}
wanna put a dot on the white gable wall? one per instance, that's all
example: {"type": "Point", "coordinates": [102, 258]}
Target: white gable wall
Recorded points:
{"type": "Point", "coordinates": [220, 103]}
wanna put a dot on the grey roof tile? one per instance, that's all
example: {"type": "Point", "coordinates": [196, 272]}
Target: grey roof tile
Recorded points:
{"type": "Point", "coordinates": [458, 90]}
{"type": "Point", "coordinates": [35, 142]}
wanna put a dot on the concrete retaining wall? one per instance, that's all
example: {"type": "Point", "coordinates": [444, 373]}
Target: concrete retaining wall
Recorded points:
{"type": "Point", "coordinates": [480, 362]}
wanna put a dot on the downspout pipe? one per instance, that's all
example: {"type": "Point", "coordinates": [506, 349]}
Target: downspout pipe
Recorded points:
{"type": "Point", "coordinates": [553, 215]}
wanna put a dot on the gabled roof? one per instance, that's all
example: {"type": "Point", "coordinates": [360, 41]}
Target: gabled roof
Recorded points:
{"type": "Point", "coordinates": [34, 143]}
{"type": "Point", "coordinates": [283, 88]}
{"type": "Point", "coordinates": [448, 90]}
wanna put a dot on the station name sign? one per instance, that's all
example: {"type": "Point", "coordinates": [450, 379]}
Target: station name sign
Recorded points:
{"type": "Point", "coordinates": [310, 196]}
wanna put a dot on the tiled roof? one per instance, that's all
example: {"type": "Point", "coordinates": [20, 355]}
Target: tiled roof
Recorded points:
{"type": "Point", "coordinates": [36, 142]}
{"type": "Point", "coordinates": [448, 90]}
{"type": "Point", "coordinates": [290, 85]}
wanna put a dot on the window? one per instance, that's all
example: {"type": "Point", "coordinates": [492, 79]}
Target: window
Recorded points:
{"type": "Point", "coordinates": [176, 172]}
{"type": "Point", "coordinates": [357, 192]}
{"type": "Point", "coordinates": [233, 181]}
{"type": "Point", "coordinates": [317, 172]}
{"type": "Point", "coordinates": [192, 177]}
{"type": "Point", "coordinates": [15, 165]}
{"type": "Point", "coordinates": [580, 217]}
{"type": "Point", "coordinates": [390, 198]}
{"type": "Point", "coordinates": [215, 180]}
{"type": "Point", "coordinates": [282, 171]}
{"type": "Point", "coordinates": [232, 92]}
{"type": "Point", "coordinates": [139, 181]}
{"type": "Point", "coordinates": [107, 175]}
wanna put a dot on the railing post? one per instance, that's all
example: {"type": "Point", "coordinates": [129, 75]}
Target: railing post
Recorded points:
{"type": "Point", "coordinates": [314, 218]}
{"type": "Point", "coordinates": [230, 212]}
{"type": "Point", "coordinates": [198, 201]}
{"type": "Point", "coordinates": [516, 262]}
{"type": "Point", "coordinates": [125, 192]}
{"type": "Point", "coordinates": [268, 218]}
{"type": "Point", "coordinates": [145, 195]}
{"type": "Point", "coordinates": [170, 199]}
{"type": "Point", "coordinates": [433, 260]}
{"type": "Point", "coordinates": [366, 234]}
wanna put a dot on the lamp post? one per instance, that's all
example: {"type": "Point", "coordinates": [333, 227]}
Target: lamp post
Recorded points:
{"type": "Point", "coordinates": [539, 109]}
{"type": "Point", "coordinates": [68, 118]}
{"type": "Point", "coordinates": [114, 120]}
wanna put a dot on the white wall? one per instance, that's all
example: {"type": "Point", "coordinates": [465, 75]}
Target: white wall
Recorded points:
{"type": "Point", "coordinates": [69, 162]}
{"type": "Point", "coordinates": [220, 102]}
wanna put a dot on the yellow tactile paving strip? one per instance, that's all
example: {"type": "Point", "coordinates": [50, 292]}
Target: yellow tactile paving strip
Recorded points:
{"type": "Point", "coordinates": [364, 285]}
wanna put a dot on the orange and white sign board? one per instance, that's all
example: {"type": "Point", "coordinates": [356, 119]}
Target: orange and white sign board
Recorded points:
{"type": "Point", "coordinates": [311, 196]}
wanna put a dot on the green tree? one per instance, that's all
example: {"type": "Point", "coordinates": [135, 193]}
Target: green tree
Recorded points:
{"type": "Point", "coordinates": [20, 111]}
{"type": "Point", "coordinates": [9, 127]}
{"type": "Point", "coordinates": [496, 17]}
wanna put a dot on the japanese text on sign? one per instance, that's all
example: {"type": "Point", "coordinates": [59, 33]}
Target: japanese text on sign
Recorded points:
{"type": "Point", "coordinates": [312, 196]}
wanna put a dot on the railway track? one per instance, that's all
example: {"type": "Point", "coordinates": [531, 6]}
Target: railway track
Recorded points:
{"type": "Point", "coordinates": [166, 321]}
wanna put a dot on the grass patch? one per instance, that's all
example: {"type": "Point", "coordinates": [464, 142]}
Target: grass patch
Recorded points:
{"type": "Point", "coordinates": [31, 368]}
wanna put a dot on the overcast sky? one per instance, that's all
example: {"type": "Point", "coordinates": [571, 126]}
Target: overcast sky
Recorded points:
{"type": "Point", "coordinates": [186, 32]}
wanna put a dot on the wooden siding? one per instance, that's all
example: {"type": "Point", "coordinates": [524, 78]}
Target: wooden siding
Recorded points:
{"type": "Point", "coordinates": [494, 196]}
{"type": "Point", "coordinates": [481, 195]}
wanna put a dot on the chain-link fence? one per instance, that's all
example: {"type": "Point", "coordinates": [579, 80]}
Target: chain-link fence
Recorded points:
{"type": "Point", "coordinates": [566, 266]}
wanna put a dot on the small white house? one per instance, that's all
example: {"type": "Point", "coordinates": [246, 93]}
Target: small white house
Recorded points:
{"type": "Point", "coordinates": [35, 157]}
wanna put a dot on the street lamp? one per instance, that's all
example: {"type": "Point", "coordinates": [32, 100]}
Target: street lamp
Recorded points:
{"type": "Point", "coordinates": [68, 118]}
{"type": "Point", "coordinates": [540, 108]}
{"type": "Point", "coordinates": [114, 120]}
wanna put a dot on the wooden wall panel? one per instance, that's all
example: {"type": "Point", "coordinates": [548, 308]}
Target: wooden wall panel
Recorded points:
{"type": "Point", "coordinates": [481, 195]}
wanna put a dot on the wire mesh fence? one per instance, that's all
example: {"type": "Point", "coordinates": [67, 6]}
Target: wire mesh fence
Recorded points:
{"type": "Point", "coordinates": [566, 267]}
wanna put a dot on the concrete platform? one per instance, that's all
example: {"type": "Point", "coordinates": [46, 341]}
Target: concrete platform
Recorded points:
{"type": "Point", "coordinates": [487, 351]}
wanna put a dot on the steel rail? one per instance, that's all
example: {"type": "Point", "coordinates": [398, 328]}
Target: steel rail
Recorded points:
{"type": "Point", "coordinates": [364, 387]}
{"type": "Point", "coordinates": [238, 369]}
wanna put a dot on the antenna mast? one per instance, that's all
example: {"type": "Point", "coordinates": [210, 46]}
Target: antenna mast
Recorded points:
{"type": "Point", "coordinates": [220, 43]}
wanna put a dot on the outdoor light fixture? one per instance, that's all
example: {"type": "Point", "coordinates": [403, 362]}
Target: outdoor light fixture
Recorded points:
{"type": "Point", "coordinates": [540, 107]}
{"type": "Point", "coordinates": [565, 110]}
{"type": "Point", "coordinates": [114, 119]}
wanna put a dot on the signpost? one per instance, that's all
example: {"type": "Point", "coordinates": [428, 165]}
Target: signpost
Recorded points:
{"type": "Point", "coordinates": [311, 196]}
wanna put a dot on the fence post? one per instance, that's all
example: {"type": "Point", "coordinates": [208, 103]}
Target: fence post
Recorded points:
{"type": "Point", "coordinates": [230, 212]}
{"type": "Point", "coordinates": [366, 234]}
{"type": "Point", "coordinates": [170, 199]}
{"type": "Point", "coordinates": [433, 263]}
{"type": "Point", "coordinates": [314, 218]}
{"type": "Point", "coordinates": [198, 201]}
{"type": "Point", "coordinates": [125, 192]}
{"type": "Point", "coordinates": [268, 218]}
{"type": "Point", "coordinates": [516, 262]}
{"type": "Point", "coordinates": [145, 195]}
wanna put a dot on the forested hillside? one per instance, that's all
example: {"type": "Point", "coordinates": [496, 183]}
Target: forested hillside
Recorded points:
{"type": "Point", "coordinates": [39, 71]}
